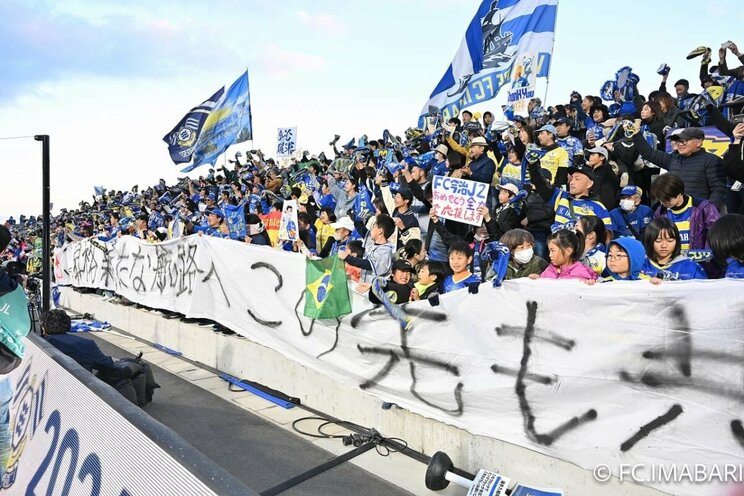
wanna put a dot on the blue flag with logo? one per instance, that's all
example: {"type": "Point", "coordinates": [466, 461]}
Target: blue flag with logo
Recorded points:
{"type": "Point", "coordinates": [363, 203]}
{"type": "Point", "coordinates": [182, 138]}
{"type": "Point", "coordinates": [235, 218]}
{"type": "Point", "coordinates": [227, 124]}
{"type": "Point", "coordinates": [498, 34]}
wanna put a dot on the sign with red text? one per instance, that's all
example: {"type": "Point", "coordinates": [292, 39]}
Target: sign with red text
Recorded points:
{"type": "Point", "coordinates": [459, 199]}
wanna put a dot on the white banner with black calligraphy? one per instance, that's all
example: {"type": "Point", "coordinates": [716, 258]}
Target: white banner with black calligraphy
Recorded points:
{"type": "Point", "coordinates": [614, 373]}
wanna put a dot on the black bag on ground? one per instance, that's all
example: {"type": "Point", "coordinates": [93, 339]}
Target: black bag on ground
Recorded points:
{"type": "Point", "coordinates": [133, 378]}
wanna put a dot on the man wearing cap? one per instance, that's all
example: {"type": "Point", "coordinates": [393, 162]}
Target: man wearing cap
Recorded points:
{"type": "Point", "coordinates": [606, 182]}
{"type": "Point", "coordinates": [571, 144]}
{"type": "Point", "coordinates": [701, 172]}
{"type": "Point", "coordinates": [554, 158]}
{"type": "Point", "coordinates": [398, 287]}
{"type": "Point", "coordinates": [342, 230]}
{"type": "Point", "coordinates": [481, 168]}
{"type": "Point", "coordinates": [215, 227]}
{"type": "Point", "coordinates": [440, 156]}
{"type": "Point", "coordinates": [576, 203]}
{"type": "Point", "coordinates": [631, 218]}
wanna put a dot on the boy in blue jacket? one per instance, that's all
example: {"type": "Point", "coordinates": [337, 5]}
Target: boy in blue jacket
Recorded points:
{"type": "Point", "coordinates": [625, 259]}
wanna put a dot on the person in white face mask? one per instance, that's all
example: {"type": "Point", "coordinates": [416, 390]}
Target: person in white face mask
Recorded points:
{"type": "Point", "coordinates": [523, 260]}
{"type": "Point", "coordinates": [631, 217]}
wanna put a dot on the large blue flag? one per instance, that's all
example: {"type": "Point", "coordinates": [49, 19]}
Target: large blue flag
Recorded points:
{"type": "Point", "coordinates": [182, 138]}
{"type": "Point", "coordinates": [235, 217]}
{"type": "Point", "coordinates": [227, 124]}
{"type": "Point", "coordinates": [501, 31]}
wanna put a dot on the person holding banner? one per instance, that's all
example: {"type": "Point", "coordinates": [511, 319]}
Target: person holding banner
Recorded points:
{"type": "Point", "coordinates": [460, 256]}
{"type": "Point", "coordinates": [565, 247]}
{"type": "Point", "coordinates": [664, 258]}
{"type": "Point", "coordinates": [693, 215]}
{"type": "Point", "coordinates": [726, 238]}
{"type": "Point", "coordinates": [480, 168]}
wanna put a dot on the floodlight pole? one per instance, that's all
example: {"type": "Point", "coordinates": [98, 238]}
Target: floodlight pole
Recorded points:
{"type": "Point", "coordinates": [46, 291]}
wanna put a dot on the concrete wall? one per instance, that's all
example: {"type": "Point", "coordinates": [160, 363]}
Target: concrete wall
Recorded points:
{"type": "Point", "coordinates": [242, 358]}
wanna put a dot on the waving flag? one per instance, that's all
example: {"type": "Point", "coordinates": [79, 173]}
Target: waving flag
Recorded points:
{"type": "Point", "coordinates": [363, 207]}
{"type": "Point", "coordinates": [500, 31]}
{"type": "Point", "coordinates": [227, 124]}
{"type": "Point", "coordinates": [182, 138]}
{"type": "Point", "coordinates": [327, 294]}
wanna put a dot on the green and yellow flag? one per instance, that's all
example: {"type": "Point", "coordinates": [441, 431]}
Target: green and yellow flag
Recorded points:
{"type": "Point", "coordinates": [327, 295]}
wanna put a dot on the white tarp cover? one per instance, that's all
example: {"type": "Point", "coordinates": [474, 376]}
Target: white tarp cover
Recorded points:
{"type": "Point", "coordinates": [569, 370]}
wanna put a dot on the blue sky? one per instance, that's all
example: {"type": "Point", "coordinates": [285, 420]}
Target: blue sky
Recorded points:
{"type": "Point", "coordinates": [108, 79]}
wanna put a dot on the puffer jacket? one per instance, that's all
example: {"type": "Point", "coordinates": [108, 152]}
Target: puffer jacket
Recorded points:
{"type": "Point", "coordinates": [702, 172]}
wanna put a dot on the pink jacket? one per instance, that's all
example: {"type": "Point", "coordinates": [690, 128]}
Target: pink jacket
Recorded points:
{"type": "Point", "coordinates": [577, 270]}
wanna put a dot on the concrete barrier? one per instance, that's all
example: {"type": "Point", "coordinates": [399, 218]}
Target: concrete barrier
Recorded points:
{"type": "Point", "coordinates": [243, 358]}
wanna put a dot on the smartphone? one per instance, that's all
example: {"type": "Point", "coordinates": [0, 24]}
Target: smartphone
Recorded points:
{"type": "Point", "coordinates": [726, 44]}
{"type": "Point", "coordinates": [737, 119]}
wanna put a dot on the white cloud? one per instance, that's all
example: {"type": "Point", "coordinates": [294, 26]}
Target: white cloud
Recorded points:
{"type": "Point", "coordinates": [277, 61]}
{"type": "Point", "coordinates": [326, 23]}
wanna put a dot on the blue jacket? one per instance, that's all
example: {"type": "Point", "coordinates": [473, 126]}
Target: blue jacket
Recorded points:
{"type": "Point", "coordinates": [84, 351]}
{"type": "Point", "coordinates": [638, 219]}
{"type": "Point", "coordinates": [482, 169]}
{"type": "Point", "coordinates": [735, 269]}
{"type": "Point", "coordinates": [636, 258]}
{"type": "Point", "coordinates": [679, 269]}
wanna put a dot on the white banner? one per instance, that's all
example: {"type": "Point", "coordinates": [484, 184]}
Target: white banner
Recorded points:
{"type": "Point", "coordinates": [523, 83]}
{"type": "Point", "coordinates": [67, 440]}
{"type": "Point", "coordinates": [286, 141]}
{"type": "Point", "coordinates": [614, 374]}
{"type": "Point", "coordinates": [459, 199]}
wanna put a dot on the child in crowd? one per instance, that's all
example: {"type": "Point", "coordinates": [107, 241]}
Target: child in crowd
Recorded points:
{"type": "Point", "coordinates": [460, 257]}
{"type": "Point", "coordinates": [505, 214]}
{"type": "Point", "coordinates": [323, 229]}
{"type": "Point", "coordinates": [356, 249]}
{"type": "Point", "coordinates": [726, 239]}
{"type": "Point", "coordinates": [523, 261]}
{"type": "Point", "coordinates": [378, 252]}
{"type": "Point", "coordinates": [415, 253]}
{"type": "Point", "coordinates": [594, 255]}
{"type": "Point", "coordinates": [398, 287]}
{"type": "Point", "coordinates": [565, 248]}
{"type": "Point", "coordinates": [625, 260]}
{"type": "Point", "coordinates": [430, 279]}
{"type": "Point", "coordinates": [663, 249]}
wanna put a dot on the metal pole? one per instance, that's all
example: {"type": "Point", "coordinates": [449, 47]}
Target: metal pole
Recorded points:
{"type": "Point", "coordinates": [46, 292]}
{"type": "Point", "coordinates": [323, 467]}
{"type": "Point", "coordinates": [552, 51]}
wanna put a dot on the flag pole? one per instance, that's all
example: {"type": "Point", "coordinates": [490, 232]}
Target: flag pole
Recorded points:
{"type": "Point", "coordinates": [547, 76]}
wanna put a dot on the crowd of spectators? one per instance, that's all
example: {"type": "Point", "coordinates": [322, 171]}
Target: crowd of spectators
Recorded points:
{"type": "Point", "coordinates": [591, 189]}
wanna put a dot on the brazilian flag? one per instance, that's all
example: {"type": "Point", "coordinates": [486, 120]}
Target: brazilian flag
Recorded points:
{"type": "Point", "coordinates": [327, 295]}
